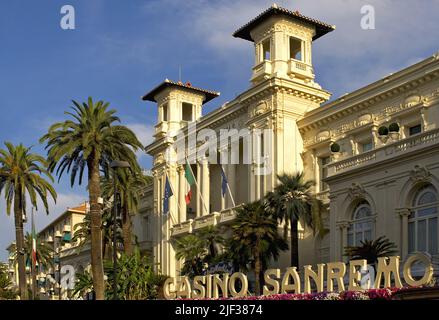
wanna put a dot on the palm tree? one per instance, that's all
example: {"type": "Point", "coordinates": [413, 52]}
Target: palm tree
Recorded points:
{"type": "Point", "coordinates": [83, 284]}
{"type": "Point", "coordinates": [130, 185]}
{"type": "Point", "coordinates": [192, 250]}
{"type": "Point", "coordinates": [212, 238]}
{"type": "Point", "coordinates": [371, 250]}
{"type": "Point", "coordinates": [82, 234]}
{"type": "Point", "coordinates": [255, 238]}
{"type": "Point", "coordinates": [90, 140]}
{"type": "Point", "coordinates": [21, 175]}
{"type": "Point", "coordinates": [44, 256]}
{"type": "Point", "coordinates": [292, 201]}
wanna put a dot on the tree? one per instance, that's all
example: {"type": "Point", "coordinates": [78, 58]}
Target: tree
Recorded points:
{"type": "Point", "coordinates": [371, 250]}
{"type": "Point", "coordinates": [130, 185]}
{"type": "Point", "coordinates": [82, 233]}
{"type": "Point", "coordinates": [44, 252]}
{"type": "Point", "coordinates": [255, 239]}
{"type": "Point", "coordinates": [136, 279]}
{"type": "Point", "coordinates": [212, 239]}
{"type": "Point", "coordinates": [193, 251]}
{"type": "Point", "coordinates": [83, 284]}
{"type": "Point", "coordinates": [90, 140]}
{"type": "Point", "coordinates": [292, 201]}
{"type": "Point", "coordinates": [6, 291]}
{"type": "Point", "coordinates": [21, 176]}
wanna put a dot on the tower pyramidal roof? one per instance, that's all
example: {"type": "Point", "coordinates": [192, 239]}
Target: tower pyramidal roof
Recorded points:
{"type": "Point", "coordinates": [322, 28]}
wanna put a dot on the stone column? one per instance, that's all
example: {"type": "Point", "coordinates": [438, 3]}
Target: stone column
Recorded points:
{"type": "Point", "coordinates": [404, 214]}
{"type": "Point", "coordinates": [343, 225]}
{"type": "Point", "coordinates": [198, 202]}
{"type": "Point", "coordinates": [205, 187]}
{"type": "Point", "coordinates": [181, 195]}
{"type": "Point", "coordinates": [232, 183]}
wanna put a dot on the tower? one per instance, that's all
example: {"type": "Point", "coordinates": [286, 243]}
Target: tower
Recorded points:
{"type": "Point", "coordinates": [178, 104]}
{"type": "Point", "coordinates": [283, 44]}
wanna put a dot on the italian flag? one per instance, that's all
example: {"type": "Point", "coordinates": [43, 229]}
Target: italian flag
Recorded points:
{"type": "Point", "coordinates": [34, 243]}
{"type": "Point", "coordinates": [190, 179]}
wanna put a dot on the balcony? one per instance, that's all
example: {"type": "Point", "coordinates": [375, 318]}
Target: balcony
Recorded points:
{"type": "Point", "coordinates": [388, 152]}
{"type": "Point", "coordinates": [183, 228]}
{"type": "Point", "coordinates": [262, 71]}
{"type": "Point", "coordinates": [300, 69]}
{"type": "Point", "coordinates": [161, 129]}
{"type": "Point", "coordinates": [187, 227]}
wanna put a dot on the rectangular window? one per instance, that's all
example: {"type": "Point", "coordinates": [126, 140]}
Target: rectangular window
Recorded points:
{"type": "Point", "coordinates": [366, 146]}
{"type": "Point", "coordinates": [295, 49]}
{"type": "Point", "coordinates": [324, 172]}
{"type": "Point", "coordinates": [432, 236]}
{"type": "Point", "coordinates": [165, 112]}
{"type": "Point", "coordinates": [266, 50]}
{"type": "Point", "coordinates": [415, 130]}
{"type": "Point", "coordinates": [187, 111]}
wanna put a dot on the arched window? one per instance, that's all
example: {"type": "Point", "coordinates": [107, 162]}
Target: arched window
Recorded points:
{"type": "Point", "coordinates": [362, 226]}
{"type": "Point", "coordinates": [423, 221]}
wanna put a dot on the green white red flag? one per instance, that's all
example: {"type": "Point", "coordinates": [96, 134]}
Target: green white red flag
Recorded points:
{"type": "Point", "coordinates": [190, 179]}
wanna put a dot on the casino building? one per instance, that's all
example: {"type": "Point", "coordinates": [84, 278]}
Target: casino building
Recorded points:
{"type": "Point", "coordinates": [377, 183]}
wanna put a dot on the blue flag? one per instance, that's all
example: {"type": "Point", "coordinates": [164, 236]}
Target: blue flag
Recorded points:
{"type": "Point", "coordinates": [168, 194]}
{"type": "Point", "coordinates": [224, 182]}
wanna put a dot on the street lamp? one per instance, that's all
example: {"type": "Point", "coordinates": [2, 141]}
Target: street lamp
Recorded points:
{"type": "Point", "coordinates": [115, 164]}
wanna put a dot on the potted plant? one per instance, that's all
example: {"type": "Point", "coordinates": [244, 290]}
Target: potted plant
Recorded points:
{"type": "Point", "coordinates": [335, 150]}
{"type": "Point", "coordinates": [394, 131]}
{"type": "Point", "coordinates": [383, 134]}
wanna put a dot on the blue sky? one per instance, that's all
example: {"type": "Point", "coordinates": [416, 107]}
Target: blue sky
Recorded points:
{"type": "Point", "coordinates": [121, 49]}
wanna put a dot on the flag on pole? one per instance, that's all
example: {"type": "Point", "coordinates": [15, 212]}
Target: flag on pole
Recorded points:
{"type": "Point", "coordinates": [34, 242]}
{"type": "Point", "coordinates": [190, 179]}
{"type": "Point", "coordinates": [224, 182]}
{"type": "Point", "coordinates": [168, 194]}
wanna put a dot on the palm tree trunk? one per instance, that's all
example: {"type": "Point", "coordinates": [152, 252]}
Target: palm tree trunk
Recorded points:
{"type": "Point", "coordinates": [126, 230]}
{"type": "Point", "coordinates": [96, 223]}
{"type": "Point", "coordinates": [19, 238]}
{"type": "Point", "coordinates": [257, 271]}
{"type": "Point", "coordinates": [294, 238]}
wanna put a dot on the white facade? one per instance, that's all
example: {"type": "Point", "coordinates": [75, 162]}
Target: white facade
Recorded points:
{"type": "Point", "coordinates": [374, 186]}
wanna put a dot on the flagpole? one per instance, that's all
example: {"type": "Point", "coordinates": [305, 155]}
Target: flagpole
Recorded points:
{"type": "Point", "coordinates": [228, 187]}
{"type": "Point", "coordinates": [173, 193]}
{"type": "Point", "coordinates": [198, 188]}
{"type": "Point", "coordinates": [33, 256]}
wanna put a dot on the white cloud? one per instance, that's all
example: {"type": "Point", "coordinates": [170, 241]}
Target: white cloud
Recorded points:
{"type": "Point", "coordinates": [144, 133]}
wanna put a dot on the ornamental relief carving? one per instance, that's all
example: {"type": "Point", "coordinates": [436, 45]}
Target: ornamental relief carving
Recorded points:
{"type": "Point", "coordinates": [356, 191]}
{"type": "Point", "coordinates": [420, 174]}
{"type": "Point", "coordinates": [261, 108]}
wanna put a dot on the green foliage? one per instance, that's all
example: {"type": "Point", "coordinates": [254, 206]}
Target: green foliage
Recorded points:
{"type": "Point", "coordinates": [383, 131]}
{"type": "Point", "coordinates": [83, 285]}
{"type": "Point", "coordinates": [82, 232]}
{"type": "Point", "coordinates": [191, 249]}
{"type": "Point", "coordinates": [44, 251]}
{"type": "Point", "coordinates": [21, 171]}
{"type": "Point", "coordinates": [254, 236]}
{"type": "Point", "coordinates": [90, 135]}
{"type": "Point", "coordinates": [136, 279]}
{"type": "Point", "coordinates": [335, 147]}
{"type": "Point", "coordinates": [6, 291]}
{"type": "Point", "coordinates": [394, 127]}
{"type": "Point", "coordinates": [371, 250]}
{"type": "Point", "coordinates": [294, 199]}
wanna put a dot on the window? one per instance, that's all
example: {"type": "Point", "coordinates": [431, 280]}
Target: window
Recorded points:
{"type": "Point", "coordinates": [423, 221]}
{"type": "Point", "coordinates": [266, 52]}
{"type": "Point", "coordinates": [295, 49]}
{"type": "Point", "coordinates": [366, 146]}
{"type": "Point", "coordinates": [362, 226]}
{"type": "Point", "coordinates": [324, 172]}
{"type": "Point", "coordinates": [187, 111]}
{"type": "Point", "coordinates": [165, 112]}
{"type": "Point", "coordinates": [415, 130]}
